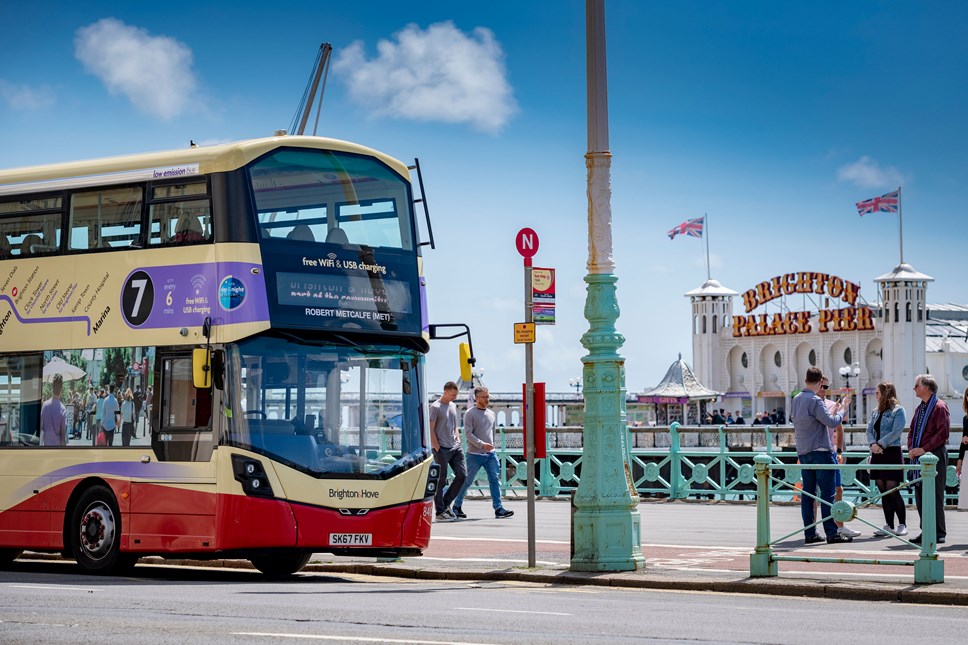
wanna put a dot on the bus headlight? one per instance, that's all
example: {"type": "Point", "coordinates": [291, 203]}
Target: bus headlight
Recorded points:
{"type": "Point", "coordinates": [433, 474]}
{"type": "Point", "coordinates": [250, 473]}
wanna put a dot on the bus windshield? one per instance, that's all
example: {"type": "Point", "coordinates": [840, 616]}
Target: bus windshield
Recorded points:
{"type": "Point", "coordinates": [326, 196]}
{"type": "Point", "coordinates": [327, 409]}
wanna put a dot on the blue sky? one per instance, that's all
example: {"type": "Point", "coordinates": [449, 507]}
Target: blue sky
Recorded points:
{"type": "Point", "coordinates": [773, 118]}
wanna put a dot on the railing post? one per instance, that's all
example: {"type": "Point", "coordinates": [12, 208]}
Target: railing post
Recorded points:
{"type": "Point", "coordinates": [723, 449]}
{"type": "Point", "coordinates": [762, 564]}
{"type": "Point", "coordinates": [928, 569]}
{"type": "Point", "coordinates": [544, 468]}
{"type": "Point", "coordinates": [675, 463]}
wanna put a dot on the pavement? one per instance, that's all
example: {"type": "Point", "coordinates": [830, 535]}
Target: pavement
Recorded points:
{"type": "Point", "coordinates": [688, 545]}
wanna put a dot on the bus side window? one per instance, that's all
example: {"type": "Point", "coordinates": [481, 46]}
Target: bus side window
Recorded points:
{"type": "Point", "coordinates": [5, 251]}
{"type": "Point", "coordinates": [188, 229]}
{"type": "Point", "coordinates": [182, 222]}
{"type": "Point", "coordinates": [105, 218]}
{"type": "Point", "coordinates": [31, 245]}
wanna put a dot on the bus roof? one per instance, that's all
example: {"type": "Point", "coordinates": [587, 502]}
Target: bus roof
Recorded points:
{"type": "Point", "coordinates": [188, 161]}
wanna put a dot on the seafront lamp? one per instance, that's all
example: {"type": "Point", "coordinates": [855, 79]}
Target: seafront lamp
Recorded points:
{"type": "Point", "coordinates": [605, 522]}
{"type": "Point", "coordinates": [848, 371]}
{"type": "Point", "coordinates": [575, 383]}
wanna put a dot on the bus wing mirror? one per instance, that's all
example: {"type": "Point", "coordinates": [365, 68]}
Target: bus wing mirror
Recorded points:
{"type": "Point", "coordinates": [218, 369]}
{"type": "Point", "coordinates": [202, 368]}
{"type": "Point", "coordinates": [466, 362]}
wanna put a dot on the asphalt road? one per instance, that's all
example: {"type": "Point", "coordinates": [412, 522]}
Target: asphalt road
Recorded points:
{"type": "Point", "coordinates": [50, 602]}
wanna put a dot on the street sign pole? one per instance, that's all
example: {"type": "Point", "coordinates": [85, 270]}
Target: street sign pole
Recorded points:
{"type": "Point", "coordinates": [527, 244]}
{"type": "Point", "coordinates": [529, 411]}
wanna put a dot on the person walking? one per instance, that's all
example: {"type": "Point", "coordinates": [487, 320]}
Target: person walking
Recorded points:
{"type": "Point", "coordinates": [962, 490]}
{"type": "Point", "coordinates": [930, 427]}
{"type": "Point", "coordinates": [109, 416]}
{"type": "Point", "coordinates": [884, 437]}
{"type": "Point", "coordinates": [810, 422]}
{"type": "Point", "coordinates": [445, 440]}
{"type": "Point", "coordinates": [99, 412]}
{"type": "Point", "coordinates": [127, 418]}
{"type": "Point", "coordinates": [139, 398]}
{"type": "Point", "coordinates": [479, 430]}
{"type": "Point", "coordinates": [837, 440]}
{"type": "Point", "coordinates": [80, 414]}
{"type": "Point", "coordinates": [91, 414]}
{"type": "Point", "coordinates": [53, 416]}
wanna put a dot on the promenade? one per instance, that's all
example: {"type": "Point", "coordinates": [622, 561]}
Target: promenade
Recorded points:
{"type": "Point", "coordinates": [687, 545]}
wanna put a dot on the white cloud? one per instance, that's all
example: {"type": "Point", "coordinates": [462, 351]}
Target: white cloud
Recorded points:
{"type": "Point", "coordinates": [437, 74]}
{"type": "Point", "coordinates": [867, 173]}
{"type": "Point", "coordinates": [154, 72]}
{"type": "Point", "coordinates": [25, 97]}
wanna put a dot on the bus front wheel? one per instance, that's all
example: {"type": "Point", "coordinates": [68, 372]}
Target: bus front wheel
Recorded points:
{"type": "Point", "coordinates": [9, 555]}
{"type": "Point", "coordinates": [95, 533]}
{"type": "Point", "coordinates": [280, 566]}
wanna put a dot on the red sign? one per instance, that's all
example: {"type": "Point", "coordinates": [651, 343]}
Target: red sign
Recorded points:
{"type": "Point", "coordinates": [540, 412]}
{"type": "Point", "coordinates": [527, 242]}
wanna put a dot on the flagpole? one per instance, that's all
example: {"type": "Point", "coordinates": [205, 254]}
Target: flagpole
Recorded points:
{"type": "Point", "coordinates": [900, 229]}
{"type": "Point", "coordinates": [706, 226]}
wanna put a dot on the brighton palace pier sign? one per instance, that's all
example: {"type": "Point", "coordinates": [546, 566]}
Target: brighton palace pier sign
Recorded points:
{"type": "Point", "coordinates": [849, 318]}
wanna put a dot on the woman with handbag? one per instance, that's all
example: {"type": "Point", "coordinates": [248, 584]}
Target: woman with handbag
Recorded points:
{"type": "Point", "coordinates": [962, 490]}
{"type": "Point", "coordinates": [884, 437]}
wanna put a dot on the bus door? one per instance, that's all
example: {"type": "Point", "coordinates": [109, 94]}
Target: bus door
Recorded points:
{"type": "Point", "coordinates": [24, 466]}
{"type": "Point", "coordinates": [173, 506]}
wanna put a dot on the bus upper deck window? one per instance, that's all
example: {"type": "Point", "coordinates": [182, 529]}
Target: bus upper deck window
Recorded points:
{"type": "Point", "coordinates": [188, 229]}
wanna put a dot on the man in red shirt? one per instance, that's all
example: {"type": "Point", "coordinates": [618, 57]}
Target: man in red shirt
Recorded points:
{"type": "Point", "coordinates": [930, 426]}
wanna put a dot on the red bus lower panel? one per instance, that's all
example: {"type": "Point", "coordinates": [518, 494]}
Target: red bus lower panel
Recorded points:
{"type": "Point", "coordinates": [406, 526]}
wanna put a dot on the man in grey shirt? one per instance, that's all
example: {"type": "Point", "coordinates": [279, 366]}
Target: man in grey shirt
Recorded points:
{"type": "Point", "coordinates": [447, 452]}
{"type": "Point", "coordinates": [109, 414]}
{"type": "Point", "coordinates": [479, 430]}
{"type": "Point", "coordinates": [811, 419]}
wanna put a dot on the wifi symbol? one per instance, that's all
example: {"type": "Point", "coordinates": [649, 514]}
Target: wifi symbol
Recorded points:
{"type": "Point", "coordinates": [198, 281]}
{"type": "Point", "coordinates": [331, 256]}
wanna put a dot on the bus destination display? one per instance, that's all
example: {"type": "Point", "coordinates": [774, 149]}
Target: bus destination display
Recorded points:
{"type": "Point", "coordinates": [368, 301]}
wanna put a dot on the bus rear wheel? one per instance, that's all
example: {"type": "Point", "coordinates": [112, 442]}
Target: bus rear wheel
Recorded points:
{"type": "Point", "coordinates": [280, 566]}
{"type": "Point", "coordinates": [94, 533]}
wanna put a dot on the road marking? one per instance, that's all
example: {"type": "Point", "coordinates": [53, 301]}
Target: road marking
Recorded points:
{"type": "Point", "coordinates": [514, 611]}
{"type": "Point", "coordinates": [442, 538]}
{"type": "Point", "coordinates": [356, 639]}
{"type": "Point", "coordinates": [494, 560]}
{"type": "Point", "coordinates": [57, 587]}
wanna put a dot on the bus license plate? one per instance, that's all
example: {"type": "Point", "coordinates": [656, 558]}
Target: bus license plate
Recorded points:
{"type": "Point", "coordinates": [350, 539]}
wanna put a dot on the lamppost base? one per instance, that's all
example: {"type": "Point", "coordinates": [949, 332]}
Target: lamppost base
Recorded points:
{"type": "Point", "coordinates": [607, 540]}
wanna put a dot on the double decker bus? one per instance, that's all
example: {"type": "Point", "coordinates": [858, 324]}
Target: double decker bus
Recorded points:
{"type": "Point", "coordinates": [214, 352]}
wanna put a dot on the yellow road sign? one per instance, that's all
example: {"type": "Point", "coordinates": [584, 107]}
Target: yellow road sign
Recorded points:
{"type": "Point", "coordinates": [523, 333]}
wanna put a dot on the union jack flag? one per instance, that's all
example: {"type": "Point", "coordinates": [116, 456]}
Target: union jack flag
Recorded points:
{"type": "Point", "coordinates": [885, 204]}
{"type": "Point", "coordinates": [692, 227]}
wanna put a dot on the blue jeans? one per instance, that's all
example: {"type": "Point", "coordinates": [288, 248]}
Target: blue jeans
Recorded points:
{"type": "Point", "coordinates": [493, 470]}
{"type": "Point", "coordinates": [824, 479]}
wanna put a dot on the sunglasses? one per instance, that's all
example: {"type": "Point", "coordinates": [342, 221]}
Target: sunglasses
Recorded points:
{"type": "Point", "coordinates": [824, 387]}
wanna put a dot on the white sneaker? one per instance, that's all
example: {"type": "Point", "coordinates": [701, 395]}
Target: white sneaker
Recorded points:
{"type": "Point", "coordinates": [901, 530]}
{"type": "Point", "coordinates": [885, 531]}
{"type": "Point", "coordinates": [846, 531]}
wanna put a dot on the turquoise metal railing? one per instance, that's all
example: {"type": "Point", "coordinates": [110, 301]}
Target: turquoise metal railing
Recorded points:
{"type": "Point", "coordinates": [928, 568]}
{"type": "Point", "coordinates": [723, 468]}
